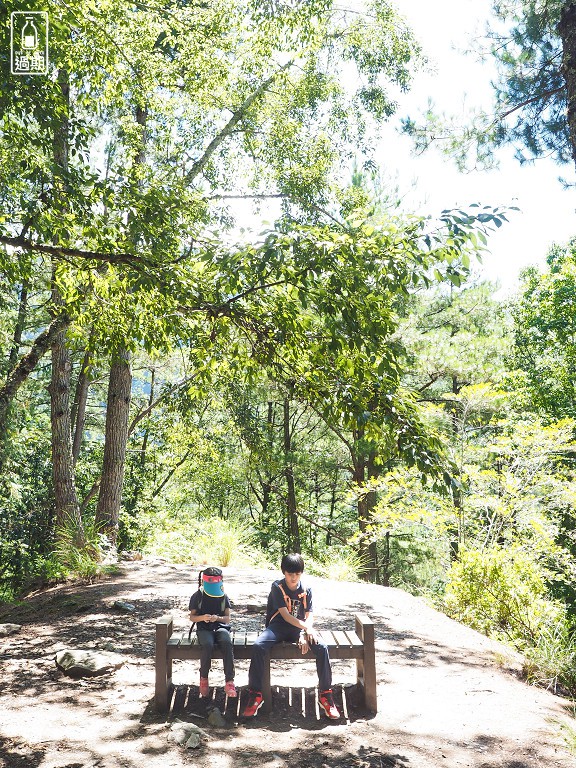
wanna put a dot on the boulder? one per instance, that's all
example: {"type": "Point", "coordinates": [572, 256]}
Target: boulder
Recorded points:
{"type": "Point", "coordinates": [186, 734]}
{"type": "Point", "coordinates": [85, 663]}
{"type": "Point", "coordinates": [125, 607]}
{"type": "Point", "coordinates": [9, 629]}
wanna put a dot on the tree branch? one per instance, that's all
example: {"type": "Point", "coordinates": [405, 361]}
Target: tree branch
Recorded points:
{"type": "Point", "coordinates": [525, 103]}
{"type": "Point", "coordinates": [57, 250]}
{"type": "Point", "coordinates": [228, 129]}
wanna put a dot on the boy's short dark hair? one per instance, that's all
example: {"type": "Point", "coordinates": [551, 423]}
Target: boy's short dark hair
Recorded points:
{"type": "Point", "coordinates": [293, 563]}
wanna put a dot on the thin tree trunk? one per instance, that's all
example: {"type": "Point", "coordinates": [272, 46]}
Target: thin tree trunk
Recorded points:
{"type": "Point", "coordinates": [79, 405]}
{"type": "Point", "coordinates": [20, 323]}
{"type": "Point", "coordinates": [333, 490]}
{"type": "Point", "coordinates": [67, 507]}
{"type": "Point", "coordinates": [294, 542]}
{"type": "Point", "coordinates": [147, 431]}
{"type": "Point", "coordinates": [166, 480]}
{"type": "Point", "coordinates": [117, 412]}
{"type": "Point", "coordinates": [65, 496]}
{"type": "Point", "coordinates": [266, 483]}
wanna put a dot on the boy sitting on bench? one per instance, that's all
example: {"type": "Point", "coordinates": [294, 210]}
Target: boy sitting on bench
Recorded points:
{"type": "Point", "coordinates": [289, 617]}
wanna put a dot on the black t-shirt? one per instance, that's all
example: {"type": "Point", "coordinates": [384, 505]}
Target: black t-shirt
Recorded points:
{"type": "Point", "coordinates": [300, 601]}
{"type": "Point", "coordinates": [212, 605]}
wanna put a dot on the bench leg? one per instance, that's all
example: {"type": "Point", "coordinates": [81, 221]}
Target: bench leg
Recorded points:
{"type": "Point", "coordinates": [163, 667]}
{"type": "Point", "coordinates": [366, 667]}
{"type": "Point", "coordinates": [266, 687]}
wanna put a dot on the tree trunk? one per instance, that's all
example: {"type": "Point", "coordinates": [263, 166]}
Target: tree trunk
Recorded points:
{"type": "Point", "coordinates": [294, 543]}
{"type": "Point", "coordinates": [116, 437]}
{"type": "Point", "coordinates": [20, 323]}
{"type": "Point", "coordinates": [66, 500]}
{"type": "Point", "coordinates": [79, 406]}
{"type": "Point", "coordinates": [567, 32]}
{"type": "Point", "coordinates": [333, 492]}
{"type": "Point", "coordinates": [118, 411]}
{"type": "Point", "coordinates": [65, 496]}
{"type": "Point", "coordinates": [147, 431]}
{"type": "Point", "coordinates": [364, 469]}
{"type": "Point", "coordinates": [266, 482]}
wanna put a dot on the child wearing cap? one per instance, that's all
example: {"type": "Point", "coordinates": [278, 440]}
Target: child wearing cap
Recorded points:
{"type": "Point", "coordinates": [210, 610]}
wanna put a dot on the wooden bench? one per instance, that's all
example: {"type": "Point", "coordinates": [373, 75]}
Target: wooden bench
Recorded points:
{"type": "Point", "coordinates": [358, 645]}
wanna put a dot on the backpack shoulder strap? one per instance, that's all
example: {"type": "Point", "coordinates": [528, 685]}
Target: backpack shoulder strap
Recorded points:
{"type": "Point", "coordinates": [287, 601]}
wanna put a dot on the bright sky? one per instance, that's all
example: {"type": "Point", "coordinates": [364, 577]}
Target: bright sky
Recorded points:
{"type": "Point", "coordinates": [548, 212]}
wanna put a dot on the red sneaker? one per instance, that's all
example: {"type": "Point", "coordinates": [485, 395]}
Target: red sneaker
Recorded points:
{"type": "Point", "coordinates": [326, 701]}
{"type": "Point", "coordinates": [253, 704]}
{"type": "Point", "coordinates": [230, 689]}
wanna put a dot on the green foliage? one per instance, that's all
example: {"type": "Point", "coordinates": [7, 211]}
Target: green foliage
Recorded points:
{"type": "Point", "coordinates": [337, 564]}
{"type": "Point", "coordinates": [502, 593]}
{"type": "Point", "coordinates": [528, 50]}
{"type": "Point", "coordinates": [210, 541]}
{"type": "Point", "coordinates": [414, 557]}
{"type": "Point", "coordinates": [81, 553]}
{"type": "Point", "coordinates": [530, 97]}
{"type": "Point", "coordinates": [544, 334]}
{"type": "Point", "coordinates": [551, 663]}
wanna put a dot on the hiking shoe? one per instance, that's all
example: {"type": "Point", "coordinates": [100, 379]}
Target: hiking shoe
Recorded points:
{"type": "Point", "coordinates": [253, 704]}
{"type": "Point", "coordinates": [326, 701]}
{"type": "Point", "coordinates": [204, 687]}
{"type": "Point", "coordinates": [230, 689]}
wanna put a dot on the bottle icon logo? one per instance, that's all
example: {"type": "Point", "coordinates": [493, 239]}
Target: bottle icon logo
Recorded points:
{"type": "Point", "coordinates": [29, 43]}
{"type": "Point", "coordinates": [29, 34]}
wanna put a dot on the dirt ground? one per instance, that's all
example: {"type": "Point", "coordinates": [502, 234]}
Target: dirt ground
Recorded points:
{"type": "Point", "coordinates": [447, 696]}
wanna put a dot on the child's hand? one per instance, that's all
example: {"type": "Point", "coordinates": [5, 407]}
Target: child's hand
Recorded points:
{"type": "Point", "coordinates": [303, 642]}
{"type": "Point", "coordinates": [312, 636]}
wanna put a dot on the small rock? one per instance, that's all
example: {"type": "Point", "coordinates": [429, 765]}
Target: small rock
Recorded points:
{"type": "Point", "coordinates": [131, 555]}
{"type": "Point", "coordinates": [178, 735]}
{"type": "Point", "coordinates": [216, 719]}
{"type": "Point", "coordinates": [122, 605]}
{"type": "Point", "coordinates": [193, 741]}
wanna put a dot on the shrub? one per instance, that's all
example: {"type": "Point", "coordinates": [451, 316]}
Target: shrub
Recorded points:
{"type": "Point", "coordinates": [502, 593]}
{"type": "Point", "coordinates": [337, 564]}
{"type": "Point", "coordinates": [551, 663]}
{"type": "Point", "coordinates": [202, 541]}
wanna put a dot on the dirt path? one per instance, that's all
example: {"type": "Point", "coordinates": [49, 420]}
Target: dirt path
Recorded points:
{"type": "Point", "coordinates": [447, 695]}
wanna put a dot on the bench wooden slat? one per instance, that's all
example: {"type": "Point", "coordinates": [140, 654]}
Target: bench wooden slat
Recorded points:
{"type": "Point", "coordinates": [353, 639]}
{"type": "Point", "coordinates": [341, 638]}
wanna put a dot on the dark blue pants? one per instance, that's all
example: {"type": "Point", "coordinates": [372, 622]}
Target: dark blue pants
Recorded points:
{"type": "Point", "coordinates": [207, 639]}
{"type": "Point", "coordinates": [275, 633]}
